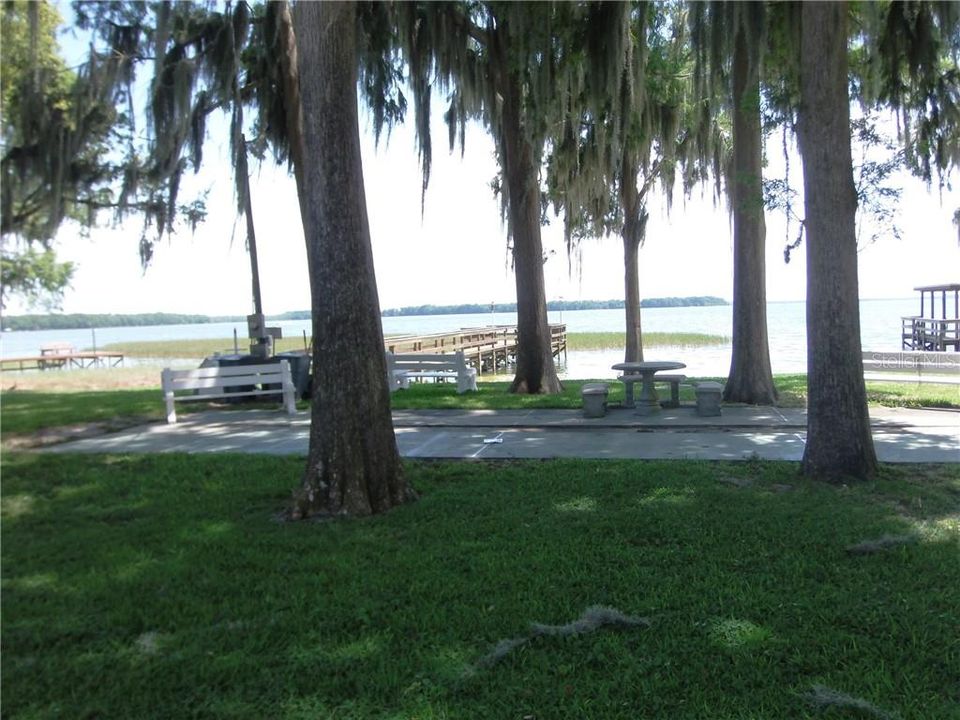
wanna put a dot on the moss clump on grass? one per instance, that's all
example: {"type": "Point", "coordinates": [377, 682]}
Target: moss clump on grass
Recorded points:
{"type": "Point", "coordinates": [869, 547]}
{"type": "Point", "coordinates": [591, 620]}
{"type": "Point", "coordinates": [824, 698]}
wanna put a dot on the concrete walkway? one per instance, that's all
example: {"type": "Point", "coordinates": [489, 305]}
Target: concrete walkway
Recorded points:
{"type": "Point", "coordinates": [741, 433]}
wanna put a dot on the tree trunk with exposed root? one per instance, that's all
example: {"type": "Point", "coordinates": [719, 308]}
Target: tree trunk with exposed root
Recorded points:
{"type": "Point", "coordinates": [634, 230]}
{"type": "Point", "coordinates": [536, 371]}
{"type": "Point", "coordinates": [353, 466]}
{"type": "Point", "coordinates": [751, 377]}
{"type": "Point", "coordinates": [839, 442]}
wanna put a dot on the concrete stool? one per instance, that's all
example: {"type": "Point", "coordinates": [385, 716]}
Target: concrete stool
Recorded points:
{"type": "Point", "coordinates": [708, 398]}
{"type": "Point", "coordinates": [674, 381]}
{"type": "Point", "coordinates": [594, 399]}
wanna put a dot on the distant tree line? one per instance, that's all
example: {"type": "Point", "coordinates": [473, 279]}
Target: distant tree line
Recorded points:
{"type": "Point", "coordinates": [476, 308]}
{"type": "Point", "coordinates": [80, 321]}
{"type": "Point", "coordinates": [292, 315]}
{"type": "Point", "coordinates": [698, 301]}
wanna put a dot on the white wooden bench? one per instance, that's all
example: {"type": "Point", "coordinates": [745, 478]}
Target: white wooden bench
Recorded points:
{"type": "Point", "coordinates": [912, 366]}
{"type": "Point", "coordinates": [57, 348]}
{"type": "Point", "coordinates": [403, 368]}
{"type": "Point", "coordinates": [219, 383]}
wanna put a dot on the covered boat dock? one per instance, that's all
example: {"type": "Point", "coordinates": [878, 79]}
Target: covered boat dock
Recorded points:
{"type": "Point", "coordinates": [937, 327]}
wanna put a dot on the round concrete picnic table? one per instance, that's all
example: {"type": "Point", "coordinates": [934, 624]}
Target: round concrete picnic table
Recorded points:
{"type": "Point", "coordinates": [648, 403]}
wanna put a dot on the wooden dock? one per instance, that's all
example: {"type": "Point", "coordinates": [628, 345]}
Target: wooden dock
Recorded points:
{"type": "Point", "coordinates": [57, 361]}
{"type": "Point", "coordinates": [932, 330]}
{"type": "Point", "coordinates": [488, 349]}
{"type": "Point", "coordinates": [930, 334]}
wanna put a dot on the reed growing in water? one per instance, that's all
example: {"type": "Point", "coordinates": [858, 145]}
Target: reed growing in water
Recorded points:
{"type": "Point", "coordinates": [575, 341]}
{"type": "Point", "coordinates": [614, 340]}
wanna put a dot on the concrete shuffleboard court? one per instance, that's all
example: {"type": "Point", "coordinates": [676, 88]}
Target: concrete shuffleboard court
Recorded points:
{"type": "Point", "coordinates": [742, 433]}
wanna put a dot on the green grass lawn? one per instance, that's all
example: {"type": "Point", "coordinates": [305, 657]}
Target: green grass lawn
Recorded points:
{"type": "Point", "coordinates": [26, 411]}
{"type": "Point", "coordinates": [793, 391]}
{"type": "Point", "coordinates": [163, 587]}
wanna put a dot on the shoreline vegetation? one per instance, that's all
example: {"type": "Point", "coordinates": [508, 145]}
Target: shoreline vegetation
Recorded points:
{"type": "Point", "coordinates": [83, 321]}
{"type": "Point", "coordinates": [165, 349]}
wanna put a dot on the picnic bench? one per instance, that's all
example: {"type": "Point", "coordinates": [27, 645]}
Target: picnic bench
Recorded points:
{"type": "Point", "coordinates": [220, 383]}
{"type": "Point", "coordinates": [403, 368]}
{"type": "Point", "coordinates": [912, 366]}
{"type": "Point", "coordinates": [55, 355]}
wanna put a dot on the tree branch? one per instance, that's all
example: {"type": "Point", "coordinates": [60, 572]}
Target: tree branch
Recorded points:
{"type": "Point", "coordinates": [651, 176]}
{"type": "Point", "coordinates": [473, 30]}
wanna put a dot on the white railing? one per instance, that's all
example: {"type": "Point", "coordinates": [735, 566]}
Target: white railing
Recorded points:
{"type": "Point", "coordinates": [938, 335]}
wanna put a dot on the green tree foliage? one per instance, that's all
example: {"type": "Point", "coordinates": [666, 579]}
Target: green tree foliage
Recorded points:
{"type": "Point", "coordinates": [510, 66]}
{"type": "Point", "coordinates": [70, 143]}
{"type": "Point", "coordinates": [909, 60]}
{"type": "Point", "coordinates": [878, 158]}
{"type": "Point", "coordinates": [40, 116]}
{"type": "Point", "coordinates": [35, 275]}
{"type": "Point", "coordinates": [626, 128]}
{"type": "Point", "coordinates": [903, 58]}
{"type": "Point", "coordinates": [35, 115]}
{"type": "Point", "coordinates": [195, 54]}
{"type": "Point", "coordinates": [905, 54]}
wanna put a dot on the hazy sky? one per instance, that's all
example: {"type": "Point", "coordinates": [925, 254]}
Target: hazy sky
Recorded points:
{"type": "Point", "coordinates": [457, 251]}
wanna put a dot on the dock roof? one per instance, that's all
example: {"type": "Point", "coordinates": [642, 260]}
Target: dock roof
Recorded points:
{"type": "Point", "coordinates": [936, 288]}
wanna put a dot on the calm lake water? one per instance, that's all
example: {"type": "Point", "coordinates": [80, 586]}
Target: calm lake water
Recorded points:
{"type": "Point", "coordinates": [879, 320]}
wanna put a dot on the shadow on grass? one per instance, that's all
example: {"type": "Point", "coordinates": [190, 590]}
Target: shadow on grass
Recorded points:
{"type": "Point", "coordinates": [169, 576]}
{"type": "Point", "coordinates": [29, 411]}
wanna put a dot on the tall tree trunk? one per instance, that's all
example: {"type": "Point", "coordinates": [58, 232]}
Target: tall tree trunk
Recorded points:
{"type": "Point", "coordinates": [353, 467]}
{"type": "Point", "coordinates": [244, 177]}
{"type": "Point", "coordinates": [634, 231]}
{"type": "Point", "coordinates": [633, 351]}
{"type": "Point", "coordinates": [839, 442]}
{"type": "Point", "coordinates": [536, 371]}
{"type": "Point", "coordinates": [751, 378]}
{"type": "Point", "coordinates": [290, 74]}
